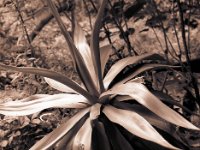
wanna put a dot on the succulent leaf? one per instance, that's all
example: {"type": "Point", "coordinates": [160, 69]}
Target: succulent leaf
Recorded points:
{"type": "Point", "coordinates": [57, 134]}
{"type": "Point", "coordinates": [83, 138]}
{"type": "Point", "coordinates": [95, 43]}
{"type": "Point", "coordinates": [121, 64]}
{"type": "Point", "coordinates": [144, 68]}
{"type": "Point", "coordinates": [25, 107]}
{"type": "Point", "coordinates": [105, 52]}
{"type": "Point", "coordinates": [100, 139]}
{"type": "Point", "coordinates": [77, 58]}
{"type": "Point", "coordinates": [50, 74]}
{"type": "Point", "coordinates": [135, 124]}
{"type": "Point", "coordinates": [59, 86]}
{"type": "Point", "coordinates": [142, 95]}
{"type": "Point", "coordinates": [84, 49]}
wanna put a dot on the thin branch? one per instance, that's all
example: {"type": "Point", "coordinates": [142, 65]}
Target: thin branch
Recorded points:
{"type": "Point", "coordinates": [157, 38]}
{"type": "Point", "coordinates": [126, 39]}
{"type": "Point", "coordinates": [107, 32]}
{"type": "Point", "coordinates": [183, 32]}
{"type": "Point", "coordinates": [163, 29]}
{"type": "Point", "coordinates": [193, 80]}
{"type": "Point", "coordinates": [46, 20]}
{"type": "Point", "coordinates": [176, 34]}
{"type": "Point", "coordinates": [126, 25]}
{"type": "Point", "coordinates": [88, 12]}
{"type": "Point", "coordinates": [188, 37]}
{"type": "Point", "coordinates": [24, 26]}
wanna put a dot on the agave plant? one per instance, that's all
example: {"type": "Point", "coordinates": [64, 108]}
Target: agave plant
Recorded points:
{"type": "Point", "coordinates": [112, 113]}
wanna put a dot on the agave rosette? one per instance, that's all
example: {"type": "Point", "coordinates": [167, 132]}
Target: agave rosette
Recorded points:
{"type": "Point", "coordinates": [103, 107]}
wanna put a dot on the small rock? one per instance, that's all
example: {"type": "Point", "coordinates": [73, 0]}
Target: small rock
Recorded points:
{"type": "Point", "coordinates": [3, 143]}
{"type": "Point", "coordinates": [36, 121]}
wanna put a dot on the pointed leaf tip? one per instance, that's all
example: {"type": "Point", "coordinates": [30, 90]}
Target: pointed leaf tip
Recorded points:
{"type": "Point", "coordinates": [143, 96]}
{"type": "Point", "coordinates": [135, 124]}
{"type": "Point", "coordinates": [52, 138]}
{"type": "Point", "coordinates": [121, 64]}
{"type": "Point", "coordinates": [29, 105]}
{"type": "Point", "coordinates": [81, 44]}
{"type": "Point", "coordinates": [59, 86]}
{"type": "Point", "coordinates": [83, 138]}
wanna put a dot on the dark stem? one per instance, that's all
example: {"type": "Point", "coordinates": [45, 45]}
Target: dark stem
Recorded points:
{"type": "Point", "coordinates": [107, 32]}
{"type": "Point", "coordinates": [193, 80]}
{"type": "Point", "coordinates": [89, 16]}
{"type": "Point", "coordinates": [164, 31]}
{"type": "Point", "coordinates": [45, 21]}
{"type": "Point", "coordinates": [157, 38]}
{"type": "Point", "coordinates": [125, 36]}
{"type": "Point", "coordinates": [188, 37]}
{"type": "Point", "coordinates": [176, 34]}
{"type": "Point", "coordinates": [24, 27]}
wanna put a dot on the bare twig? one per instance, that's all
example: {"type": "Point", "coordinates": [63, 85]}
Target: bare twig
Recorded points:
{"type": "Point", "coordinates": [127, 28]}
{"type": "Point", "coordinates": [89, 16]}
{"type": "Point", "coordinates": [176, 34]}
{"type": "Point", "coordinates": [163, 29]}
{"type": "Point", "coordinates": [46, 20]}
{"type": "Point", "coordinates": [183, 32]}
{"type": "Point", "coordinates": [164, 82]}
{"type": "Point", "coordinates": [157, 38]}
{"type": "Point", "coordinates": [125, 37]}
{"type": "Point", "coordinates": [95, 8]}
{"type": "Point", "coordinates": [24, 26]}
{"type": "Point", "coordinates": [193, 80]}
{"type": "Point", "coordinates": [188, 37]}
{"type": "Point", "coordinates": [107, 32]}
